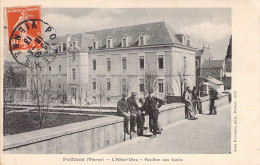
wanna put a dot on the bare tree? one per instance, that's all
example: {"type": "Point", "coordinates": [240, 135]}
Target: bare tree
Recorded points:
{"type": "Point", "coordinates": [101, 93]}
{"type": "Point", "coordinates": [150, 80]}
{"type": "Point", "coordinates": [180, 78]}
{"type": "Point", "coordinates": [42, 94]}
{"type": "Point", "coordinates": [127, 85]}
{"type": "Point", "coordinates": [63, 92]}
{"type": "Point", "coordinates": [8, 93]}
{"type": "Point", "coordinates": [88, 92]}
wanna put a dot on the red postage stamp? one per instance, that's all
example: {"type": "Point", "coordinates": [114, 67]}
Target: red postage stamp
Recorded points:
{"type": "Point", "coordinates": [22, 27]}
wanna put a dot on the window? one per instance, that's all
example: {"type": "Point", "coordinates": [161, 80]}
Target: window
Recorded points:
{"type": "Point", "coordinates": [94, 45]}
{"type": "Point", "coordinates": [94, 84]}
{"type": "Point", "coordinates": [59, 49]}
{"type": "Point", "coordinates": [188, 42]}
{"type": "Point", "coordinates": [160, 85]}
{"type": "Point", "coordinates": [59, 82]}
{"type": "Point", "coordinates": [108, 84]}
{"type": "Point", "coordinates": [108, 99]}
{"type": "Point", "coordinates": [185, 63]}
{"type": "Point", "coordinates": [64, 47]}
{"type": "Point", "coordinates": [49, 81]}
{"type": "Point", "coordinates": [59, 68]}
{"type": "Point", "coordinates": [73, 73]}
{"type": "Point", "coordinates": [160, 61]}
{"type": "Point", "coordinates": [141, 62]}
{"type": "Point", "coordinates": [50, 50]}
{"type": "Point", "coordinates": [94, 64]}
{"type": "Point", "coordinates": [141, 85]}
{"type": "Point", "coordinates": [73, 56]}
{"type": "Point", "coordinates": [108, 64]}
{"type": "Point", "coordinates": [73, 92]}
{"type": "Point", "coordinates": [124, 42]}
{"type": "Point", "coordinates": [124, 62]}
{"type": "Point", "coordinates": [197, 63]}
{"type": "Point", "coordinates": [141, 40]}
{"type": "Point", "coordinates": [49, 69]}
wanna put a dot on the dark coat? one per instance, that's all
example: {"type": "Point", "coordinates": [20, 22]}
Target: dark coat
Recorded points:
{"type": "Point", "coordinates": [122, 106]}
{"type": "Point", "coordinates": [155, 103]}
{"type": "Point", "coordinates": [133, 106]}
{"type": "Point", "coordinates": [213, 94]}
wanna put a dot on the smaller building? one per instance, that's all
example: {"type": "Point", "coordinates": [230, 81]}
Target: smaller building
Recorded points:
{"type": "Point", "coordinates": [215, 84]}
{"type": "Point", "coordinates": [227, 78]}
{"type": "Point", "coordinates": [213, 68]}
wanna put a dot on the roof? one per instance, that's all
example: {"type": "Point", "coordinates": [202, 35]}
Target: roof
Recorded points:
{"type": "Point", "coordinates": [204, 51]}
{"type": "Point", "coordinates": [157, 33]}
{"type": "Point", "coordinates": [228, 64]}
{"type": "Point", "coordinates": [214, 81]}
{"type": "Point", "coordinates": [212, 64]}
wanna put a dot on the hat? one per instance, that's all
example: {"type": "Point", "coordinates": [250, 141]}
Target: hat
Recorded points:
{"type": "Point", "coordinates": [133, 93]}
{"type": "Point", "coordinates": [124, 94]}
{"type": "Point", "coordinates": [150, 90]}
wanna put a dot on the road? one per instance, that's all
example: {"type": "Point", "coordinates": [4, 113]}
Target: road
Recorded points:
{"type": "Point", "coordinates": [210, 134]}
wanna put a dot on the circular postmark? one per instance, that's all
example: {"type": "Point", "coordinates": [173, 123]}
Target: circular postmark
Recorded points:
{"type": "Point", "coordinates": [31, 41]}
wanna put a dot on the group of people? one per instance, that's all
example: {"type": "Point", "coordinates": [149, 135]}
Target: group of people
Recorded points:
{"type": "Point", "coordinates": [128, 108]}
{"type": "Point", "coordinates": [193, 103]}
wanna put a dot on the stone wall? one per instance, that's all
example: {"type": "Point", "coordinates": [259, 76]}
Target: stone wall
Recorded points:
{"type": "Point", "coordinates": [77, 138]}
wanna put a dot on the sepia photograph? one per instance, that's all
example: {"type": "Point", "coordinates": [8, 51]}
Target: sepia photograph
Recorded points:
{"type": "Point", "coordinates": [117, 80]}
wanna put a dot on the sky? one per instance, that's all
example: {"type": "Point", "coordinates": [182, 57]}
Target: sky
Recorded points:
{"type": "Point", "coordinates": [209, 25]}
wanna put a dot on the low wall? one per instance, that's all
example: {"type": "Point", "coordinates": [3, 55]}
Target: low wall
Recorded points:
{"type": "Point", "coordinates": [75, 138]}
{"type": "Point", "coordinates": [88, 136]}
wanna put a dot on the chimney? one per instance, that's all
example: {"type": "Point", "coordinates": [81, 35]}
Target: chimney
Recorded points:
{"type": "Point", "coordinates": [68, 41]}
{"type": "Point", "coordinates": [184, 39]}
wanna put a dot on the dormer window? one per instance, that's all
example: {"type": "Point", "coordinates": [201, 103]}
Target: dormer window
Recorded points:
{"type": "Point", "coordinates": [109, 43]}
{"type": "Point", "coordinates": [73, 45]}
{"type": "Point", "coordinates": [95, 44]}
{"type": "Point", "coordinates": [50, 50]}
{"type": "Point", "coordinates": [124, 41]}
{"type": "Point", "coordinates": [142, 39]}
{"type": "Point", "coordinates": [59, 48]}
{"type": "Point", "coordinates": [184, 39]}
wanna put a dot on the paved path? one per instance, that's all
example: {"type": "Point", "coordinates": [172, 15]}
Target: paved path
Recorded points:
{"type": "Point", "coordinates": [210, 134]}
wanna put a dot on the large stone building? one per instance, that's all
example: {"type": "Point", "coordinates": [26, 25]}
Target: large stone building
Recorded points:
{"type": "Point", "coordinates": [102, 64]}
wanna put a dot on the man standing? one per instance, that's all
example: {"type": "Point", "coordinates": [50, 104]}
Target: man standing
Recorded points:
{"type": "Point", "coordinates": [124, 111]}
{"type": "Point", "coordinates": [151, 106]}
{"type": "Point", "coordinates": [213, 94]}
{"type": "Point", "coordinates": [189, 104]}
{"type": "Point", "coordinates": [135, 110]}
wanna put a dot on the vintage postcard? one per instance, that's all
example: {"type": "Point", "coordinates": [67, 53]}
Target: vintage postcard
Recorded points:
{"type": "Point", "coordinates": [112, 82]}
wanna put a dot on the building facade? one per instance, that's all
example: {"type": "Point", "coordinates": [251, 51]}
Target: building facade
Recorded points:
{"type": "Point", "coordinates": [214, 68]}
{"type": "Point", "coordinates": [100, 65]}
